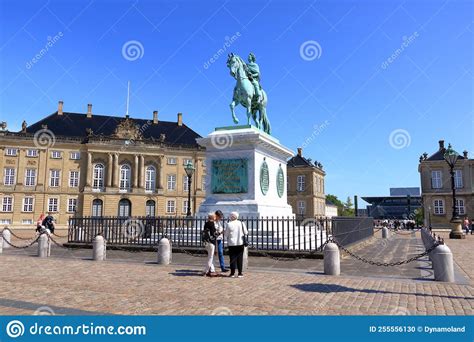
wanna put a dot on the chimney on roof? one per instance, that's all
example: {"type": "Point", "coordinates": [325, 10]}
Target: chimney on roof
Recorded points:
{"type": "Point", "coordinates": [60, 107]}
{"type": "Point", "coordinates": [441, 145]}
{"type": "Point", "coordinates": [155, 117]}
{"type": "Point", "coordinates": [300, 152]}
{"type": "Point", "coordinates": [89, 110]}
{"type": "Point", "coordinates": [180, 119]}
{"type": "Point", "coordinates": [465, 154]}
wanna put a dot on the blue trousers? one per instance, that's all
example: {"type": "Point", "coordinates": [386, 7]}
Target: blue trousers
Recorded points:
{"type": "Point", "coordinates": [220, 253]}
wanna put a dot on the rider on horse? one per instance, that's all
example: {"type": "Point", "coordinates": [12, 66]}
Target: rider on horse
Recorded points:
{"type": "Point", "coordinates": [253, 72]}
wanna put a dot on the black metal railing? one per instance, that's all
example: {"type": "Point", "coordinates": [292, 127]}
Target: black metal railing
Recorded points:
{"type": "Point", "coordinates": [269, 233]}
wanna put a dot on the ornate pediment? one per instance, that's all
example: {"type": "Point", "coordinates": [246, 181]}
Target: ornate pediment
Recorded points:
{"type": "Point", "coordinates": [127, 129]}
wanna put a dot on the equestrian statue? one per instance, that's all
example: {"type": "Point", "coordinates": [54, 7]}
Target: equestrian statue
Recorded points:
{"type": "Point", "coordinates": [248, 92]}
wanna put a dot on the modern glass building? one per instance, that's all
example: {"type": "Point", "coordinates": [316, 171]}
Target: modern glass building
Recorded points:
{"type": "Point", "coordinates": [401, 204]}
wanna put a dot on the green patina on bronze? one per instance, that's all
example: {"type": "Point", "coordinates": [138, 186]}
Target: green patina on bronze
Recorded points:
{"type": "Point", "coordinates": [264, 178]}
{"type": "Point", "coordinates": [229, 176]}
{"type": "Point", "coordinates": [280, 181]}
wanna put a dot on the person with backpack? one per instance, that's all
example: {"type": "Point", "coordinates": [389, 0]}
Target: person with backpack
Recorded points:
{"type": "Point", "coordinates": [209, 235]}
{"type": "Point", "coordinates": [236, 234]}
{"type": "Point", "coordinates": [48, 223]}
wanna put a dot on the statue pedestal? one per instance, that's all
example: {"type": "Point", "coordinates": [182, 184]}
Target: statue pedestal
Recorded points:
{"type": "Point", "coordinates": [246, 172]}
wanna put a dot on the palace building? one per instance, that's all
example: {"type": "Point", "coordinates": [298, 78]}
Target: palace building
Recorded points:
{"type": "Point", "coordinates": [86, 164]}
{"type": "Point", "coordinates": [306, 186]}
{"type": "Point", "coordinates": [436, 188]}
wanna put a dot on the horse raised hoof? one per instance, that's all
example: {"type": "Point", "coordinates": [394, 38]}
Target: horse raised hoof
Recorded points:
{"type": "Point", "coordinates": [236, 121]}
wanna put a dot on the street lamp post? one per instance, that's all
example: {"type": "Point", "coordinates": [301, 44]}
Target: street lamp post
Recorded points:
{"type": "Point", "coordinates": [189, 169]}
{"type": "Point", "coordinates": [451, 157]}
{"type": "Point", "coordinates": [429, 217]}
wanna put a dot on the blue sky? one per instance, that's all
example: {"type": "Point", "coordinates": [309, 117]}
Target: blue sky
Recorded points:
{"type": "Point", "coordinates": [388, 80]}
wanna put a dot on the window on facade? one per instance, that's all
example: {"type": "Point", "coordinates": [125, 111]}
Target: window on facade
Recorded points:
{"type": "Point", "coordinates": [32, 153]}
{"type": "Point", "coordinates": [150, 178]}
{"type": "Point", "coordinates": [56, 154]}
{"type": "Point", "coordinates": [30, 177]}
{"type": "Point", "coordinates": [301, 207]}
{"type": "Point", "coordinates": [185, 206]}
{"type": "Point", "coordinates": [54, 177]}
{"type": "Point", "coordinates": [170, 206]}
{"type": "Point", "coordinates": [185, 183]}
{"type": "Point", "coordinates": [7, 204]}
{"type": "Point", "coordinates": [150, 208]}
{"type": "Point", "coordinates": [125, 177]}
{"type": "Point", "coordinates": [73, 179]}
{"type": "Point", "coordinates": [458, 179]}
{"type": "Point", "coordinates": [75, 155]}
{"type": "Point", "coordinates": [5, 221]}
{"type": "Point", "coordinates": [71, 205]}
{"type": "Point", "coordinates": [203, 184]}
{"type": "Point", "coordinates": [171, 182]}
{"type": "Point", "coordinates": [125, 208]}
{"type": "Point", "coordinates": [28, 204]}
{"type": "Point", "coordinates": [436, 181]}
{"type": "Point", "coordinates": [171, 161]}
{"type": "Point", "coordinates": [187, 161]}
{"type": "Point", "coordinates": [460, 206]}
{"type": "Point", "coordinates": [97, 207]}
{"type": "Point", "coordinates": [438, 207]}
{"type": "Point", "coordinates": [12, 152]}
{"type": "Point", "coordinates": [27, 221]}
{"type": "Point", "coordinates": [98, 176]}
{"type": "Point", "coordinates": [9, 176]}
{"type": "Point", "coordinates": [300, 183]}
{"type": "Point", "coordinates": [53, 205]}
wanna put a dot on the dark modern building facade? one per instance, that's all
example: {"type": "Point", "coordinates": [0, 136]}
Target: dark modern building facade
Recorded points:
{"type": "Point", "coordinates": [400, 205]}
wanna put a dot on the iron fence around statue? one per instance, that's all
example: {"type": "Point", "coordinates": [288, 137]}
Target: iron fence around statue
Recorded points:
{"type": "Point", "coordinates": [269, 233]}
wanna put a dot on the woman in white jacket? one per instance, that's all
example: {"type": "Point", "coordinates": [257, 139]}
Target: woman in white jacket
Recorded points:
{"type": "Point", "coordinates": [234, 234]}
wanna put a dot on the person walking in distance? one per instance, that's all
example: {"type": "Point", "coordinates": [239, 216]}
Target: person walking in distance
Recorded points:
{"type": "Point", "coordinates": [220, 239]}
{"type": "Point", "coordinates": [236, 235]}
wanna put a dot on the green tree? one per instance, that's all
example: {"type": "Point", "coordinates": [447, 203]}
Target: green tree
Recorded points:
{"type": "Point", "coordinates": [348, 209]}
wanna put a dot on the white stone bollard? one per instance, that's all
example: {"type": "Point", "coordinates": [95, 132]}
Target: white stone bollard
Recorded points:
{"type": "Point", "coordinates": [99, 248]}
{"type": "Point", "coordinates": [164, 252]}
{"type": "Point", "coordinates": [43, 246]}
{"type": "Point", "coordinates": [443, 265]}
{"type": "Point", "coordinates": [7, 237]}
{"type": "Point", "coordinates": [384, 233]}
{"type": "Point", "coordinates": [332, 259]}
{"type": "Point", "coordinates": [1, 243]}
{"type": "Point", "coordinates": [245, 265]}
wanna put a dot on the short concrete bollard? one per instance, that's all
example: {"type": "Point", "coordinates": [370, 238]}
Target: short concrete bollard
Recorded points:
{"type": "Point", "coordinates": [443, 265]}
{"type": "Point", "coordinates": [332, 259]}
{"type": "Point", "coordinates": [99, 248]}
{"type": "Point", "coordinates": [43, 246]}
{"type": "Point", "coordinates": [7, 237]}
{"type": "Point", "coordinates": [1, 243]}
{"type": "Point", "coordinates": [164, 252]}
{"type": "Point", "coordinates": [384, 233]}
{"type": "Point", "coordinates": [246, 258]}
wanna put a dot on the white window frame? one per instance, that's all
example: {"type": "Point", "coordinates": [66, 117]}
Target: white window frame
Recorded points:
{"type": "Point", "coordinates": [32, 153]}
{"type": "Point", "coordinates": [54, 178]}
{"type": "Point", "coordinates": [9, 178]}
{"type": "Point", "coordinates": [458, 183]}
{"type": "Point", "coordinates": [11, 152]}
{"type": "Point", "coordinates": [147, 208]}
{"type": "Point", "coordinates": [71, 205]}
{"type": "Point", "coordinates": [95, 207]}
{"type": "Point", "coordinates": [53, 204]}
{"type": "Point", "coordinates": [30, 177]}
{"type": "Point", "coordinates": [27, 221]}
{"type": "Point", "coordinates": [98, 176]}
{"type": "Point", "coordinates": [460, 206]}
{"type": "Point", "coordinates": [171, 160]}
{"type": "Point", "coordinates": [125, 177]}
{"type": "Point", "coordinates": [185, 183]}
{"type": "Point", "coordinates": [28, 204]}
{"type": "Point", "coordinates": [302, 207]}
{"type": "Point", "coordinates": [74, 181]}
{"type": "Point", "coordinates": [150, 178]}
{"type": "Point", "coordinates": [300, 183]}
{"type": "Point", "coordinates": [186, 161]}
{"type": "Point", "coordinates": [56, 155]}
{"type": "Point", "coordinates": [436, 179]}
{"type": "Point", "coordinates": [5, 221]}
{"type": "Point", "coordinates": [438, 207]}
{"type": "Point", "coordinates": [185, 206]}
{"type": "Point", "coordinates": [7, 204]}
{"type": "Point", "coordinates": [170, 206]}
{"type": "Point", "coordinates": [75, 155]}
{"type": "Point", "coordinates": [171, 182]}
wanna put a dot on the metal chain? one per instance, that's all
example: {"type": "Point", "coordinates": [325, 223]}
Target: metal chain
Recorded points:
{"type": "Point", "coordinates": [60, 236]}
{"type": "Point", "coordinates": [14, 235]}
{"type": "Point", "coordinates": [26, 246]}
{"type": "Point", "coordinates": [386, 264]}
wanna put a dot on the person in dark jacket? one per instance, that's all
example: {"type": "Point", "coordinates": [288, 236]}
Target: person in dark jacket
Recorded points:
{"type": "Point", "coordinates": [48, 223]}
{"type": "Point", "coordinates": [209, 235]}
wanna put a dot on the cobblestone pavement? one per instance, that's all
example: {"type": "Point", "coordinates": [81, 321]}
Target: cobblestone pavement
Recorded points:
{"type": "Point", "coordinates": [130, 283]}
